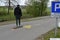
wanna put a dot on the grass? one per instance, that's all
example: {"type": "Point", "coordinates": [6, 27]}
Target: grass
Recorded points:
{"type": "Point", "coordinates": [22, 20]}
{"type": "Point", "coordinates": [5, 17]}
{"type": "Point", "coordinates": [49, 35]}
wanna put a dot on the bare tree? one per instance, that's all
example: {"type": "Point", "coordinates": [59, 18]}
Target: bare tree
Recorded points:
{"type": "Point", "coordinates": [11, 2]}
{"type": "Point", "coordinates": [9, 6]}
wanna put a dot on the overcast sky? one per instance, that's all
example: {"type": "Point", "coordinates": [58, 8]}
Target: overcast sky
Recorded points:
{"type": "Point", "coordinates": [49, 3]}
{"type": "Point", "coordinates": [23, 2]}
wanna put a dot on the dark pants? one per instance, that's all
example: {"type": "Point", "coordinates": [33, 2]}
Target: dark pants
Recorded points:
{"type": "Point", "coordinates": [17, 21]}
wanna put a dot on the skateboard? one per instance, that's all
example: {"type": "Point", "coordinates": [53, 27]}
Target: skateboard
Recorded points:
{"type": "Point", "coordinates": [17, 27]}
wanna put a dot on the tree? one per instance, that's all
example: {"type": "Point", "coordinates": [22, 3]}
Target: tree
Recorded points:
{"type": "Point", "coordinates": [36, 7]}
{"type": "Point", "coordinates": [43, 6]}
{"type": "Point", "coordinates": [10, 2]}
{"type": "Point", "coordinates": [9, 6]}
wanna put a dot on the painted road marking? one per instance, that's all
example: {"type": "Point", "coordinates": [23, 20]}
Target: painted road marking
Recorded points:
{"type": "Point", "coordinates": [27, 26]}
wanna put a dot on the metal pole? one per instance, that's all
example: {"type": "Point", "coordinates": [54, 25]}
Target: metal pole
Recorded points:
{"type": "Point", "coordinates": [56, 26]}
{"type": "Point", "coordinates": [56, 23]}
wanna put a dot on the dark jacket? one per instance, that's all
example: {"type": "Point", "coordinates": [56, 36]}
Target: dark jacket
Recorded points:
{"type": "Point", "coordinates": [17, 12]}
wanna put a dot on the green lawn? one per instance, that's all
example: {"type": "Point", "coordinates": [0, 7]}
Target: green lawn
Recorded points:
{"type": "Point", "coordinates": [49, 35]}
{"type": "Point", "coordinates": [5, 17]}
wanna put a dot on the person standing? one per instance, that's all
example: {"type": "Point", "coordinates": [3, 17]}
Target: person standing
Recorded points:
{"type": "Point", "coordinates": [18, 14]}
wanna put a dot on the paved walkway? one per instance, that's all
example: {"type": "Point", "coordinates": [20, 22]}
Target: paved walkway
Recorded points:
{"type": "Point", "coordinates": [38, 27]}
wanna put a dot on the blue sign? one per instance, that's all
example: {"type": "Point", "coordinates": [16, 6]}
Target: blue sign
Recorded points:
{"type": "Point", "coordinates": [55, 7]}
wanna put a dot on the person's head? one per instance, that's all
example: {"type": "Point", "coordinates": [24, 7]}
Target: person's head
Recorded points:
{"type": "Point", "coordinates": [18, 5]}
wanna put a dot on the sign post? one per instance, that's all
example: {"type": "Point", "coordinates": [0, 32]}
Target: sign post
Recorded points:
{"type": "Point", "coordinates": [56, 26]}
{"type": "Point", "coordinates": [56, 11]}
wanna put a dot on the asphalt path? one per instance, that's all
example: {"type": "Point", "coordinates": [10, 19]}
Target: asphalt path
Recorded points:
{"type": "Point", "coordinates": [38, 27]}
